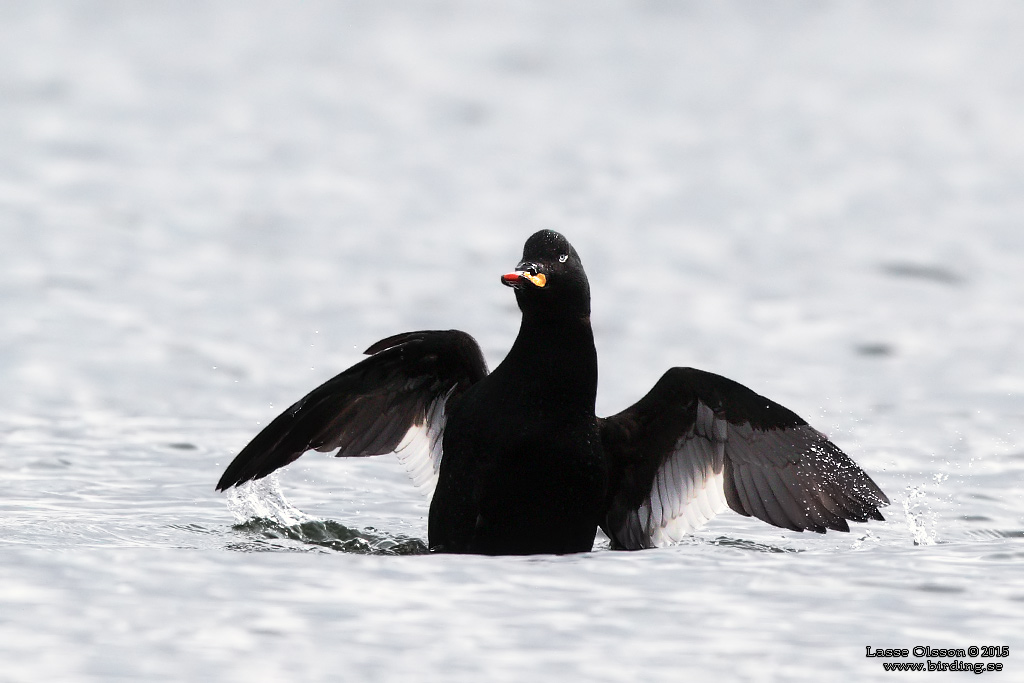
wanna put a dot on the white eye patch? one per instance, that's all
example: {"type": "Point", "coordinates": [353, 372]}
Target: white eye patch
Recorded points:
{"type": "Point", "coordinates": [563, 258]}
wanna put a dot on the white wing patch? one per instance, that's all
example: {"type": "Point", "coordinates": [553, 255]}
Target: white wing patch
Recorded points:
{"type": "Point", "coordinates": [688, 489]}
{"type": "Point", "coordinates": [420, 448]}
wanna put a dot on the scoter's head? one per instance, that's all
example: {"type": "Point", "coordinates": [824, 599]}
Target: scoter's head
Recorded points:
{"type": "Point", "coordinates": [549, 280]}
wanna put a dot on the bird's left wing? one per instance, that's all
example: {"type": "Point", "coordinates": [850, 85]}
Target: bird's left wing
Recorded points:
{"type": "Point", "coordinates": [698, 443]}
{"type": "Point", "coordinates": [395, 400]}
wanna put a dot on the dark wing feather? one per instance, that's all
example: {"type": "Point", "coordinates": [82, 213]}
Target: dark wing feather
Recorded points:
{"type": "Point", "coordinates": [698, 442]}
{"type": "Point", "coordinates": [392, 401]}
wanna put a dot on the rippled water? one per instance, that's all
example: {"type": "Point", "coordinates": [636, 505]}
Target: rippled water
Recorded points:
{"type": "Point", "coordinates": [207, 210]}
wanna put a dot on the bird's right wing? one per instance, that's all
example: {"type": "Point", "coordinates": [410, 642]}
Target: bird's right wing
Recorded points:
{"type": "Point", "coordinates": [394, 401]}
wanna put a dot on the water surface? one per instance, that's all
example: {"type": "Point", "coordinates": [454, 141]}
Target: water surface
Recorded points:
{"type": "Point", "coordinates": [208, 210]}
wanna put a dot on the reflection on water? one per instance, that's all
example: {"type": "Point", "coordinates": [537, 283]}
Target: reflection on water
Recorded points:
{"type": "Point", "coordinates": [332, 535]}
{"type": "Point", "coordinates": [745, 544]}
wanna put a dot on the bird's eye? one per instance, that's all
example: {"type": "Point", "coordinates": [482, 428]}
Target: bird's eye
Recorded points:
{"type": "Point", "coordinates": [563, 258]}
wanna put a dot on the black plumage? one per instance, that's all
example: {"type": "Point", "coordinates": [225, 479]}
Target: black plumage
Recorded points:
{"type": "Point", "coordinates": [523, 465]}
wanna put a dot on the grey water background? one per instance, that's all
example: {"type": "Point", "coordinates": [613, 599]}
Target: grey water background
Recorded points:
{"type": "Point", "coordinates": [208, 209]}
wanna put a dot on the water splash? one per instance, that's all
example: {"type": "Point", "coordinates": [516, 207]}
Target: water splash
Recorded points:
{"type": "Point", "coordinates": [866, 540]}
{"type": "Point", "coordinates": [262, 511]}
{"type": "Point", "coordinates": [263, 499]}
{"type": "Point", "coordinates": [919, 516]}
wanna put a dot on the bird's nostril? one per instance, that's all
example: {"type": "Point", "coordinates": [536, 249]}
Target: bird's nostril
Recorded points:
{"type": "Point", "coordinates": [528, 267]}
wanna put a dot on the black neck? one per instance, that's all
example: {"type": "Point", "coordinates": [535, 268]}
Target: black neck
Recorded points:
{"type": "Point", "coordinates": [557, 360]}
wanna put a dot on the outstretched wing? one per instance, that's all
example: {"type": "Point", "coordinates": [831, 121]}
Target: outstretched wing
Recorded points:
{"type": "Point", "coordinates": [698, 442]}
{"type": "Point", "coordinates": [393, 401]}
